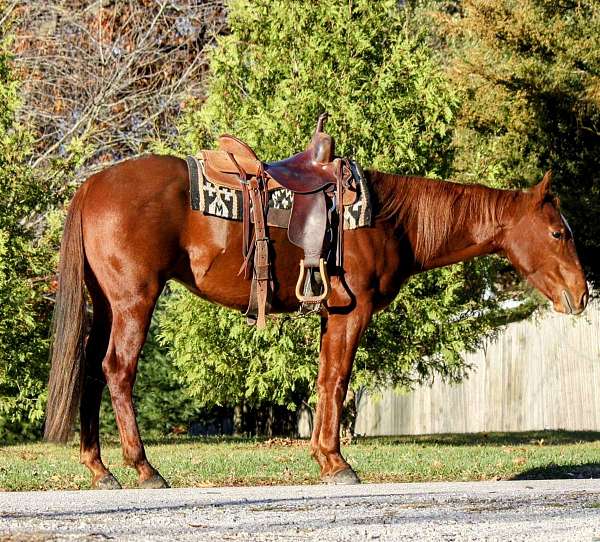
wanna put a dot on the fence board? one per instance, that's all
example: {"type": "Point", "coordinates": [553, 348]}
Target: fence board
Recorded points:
{"type": "Point", "coordinates": [538, 374]}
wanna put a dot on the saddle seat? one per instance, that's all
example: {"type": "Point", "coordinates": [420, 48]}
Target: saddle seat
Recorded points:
{"type": "Point", "coordinates": [309, 171]}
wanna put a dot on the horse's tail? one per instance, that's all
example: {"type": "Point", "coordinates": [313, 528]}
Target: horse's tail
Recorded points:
{"type": "Point", "coordinates": [68, 329]}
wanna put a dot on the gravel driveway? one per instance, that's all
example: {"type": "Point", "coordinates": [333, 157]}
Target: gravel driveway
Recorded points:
{"type": "Point", "coordinates": [524, 510]}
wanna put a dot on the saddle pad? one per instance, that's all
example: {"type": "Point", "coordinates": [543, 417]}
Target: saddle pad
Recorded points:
{"type": "Point", "coordinates": [226, 203]}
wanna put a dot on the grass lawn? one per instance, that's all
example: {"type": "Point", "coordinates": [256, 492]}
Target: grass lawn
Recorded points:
{"type": "Point", "coordinates": [201, 462]}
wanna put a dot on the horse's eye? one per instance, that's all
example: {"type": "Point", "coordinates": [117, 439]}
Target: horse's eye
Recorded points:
{"type": "Point", "coordinates": [557, 234]}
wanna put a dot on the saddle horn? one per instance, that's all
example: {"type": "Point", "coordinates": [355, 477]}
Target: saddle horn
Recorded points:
{"type": "Point", "coordinates": [321, 143]}
{"type": "Point", "coordinates": [321, 122]}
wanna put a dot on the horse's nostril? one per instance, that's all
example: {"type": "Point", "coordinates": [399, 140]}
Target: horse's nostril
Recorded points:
{"type": "Point", "coordinates": [567, 302]}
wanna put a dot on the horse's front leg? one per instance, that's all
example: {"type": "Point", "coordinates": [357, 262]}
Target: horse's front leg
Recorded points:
{"type": "Point", "coordinates": [340, 335]}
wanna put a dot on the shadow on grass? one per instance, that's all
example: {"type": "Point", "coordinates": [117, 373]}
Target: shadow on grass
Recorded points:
{"type": "Point", "coordinates": [548, 472]}
{"type": "Point", "coordinates": [220, 439]}
{"type": "Point", "coordinates": [548, 438]}
{"type": "Point", "coordinates": [112, 440]}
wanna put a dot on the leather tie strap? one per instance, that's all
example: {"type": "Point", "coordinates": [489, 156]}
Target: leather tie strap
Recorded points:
{"type": "Point", "coordinates": [262, 273]}
{"type": "Point", "coordinates": [339, 195]}
{"type": "Point", "coordinates": [248, 245]}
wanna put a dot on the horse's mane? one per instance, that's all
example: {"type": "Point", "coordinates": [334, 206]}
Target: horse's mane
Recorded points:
{"type": "Point", "coordinates": [435, 209]}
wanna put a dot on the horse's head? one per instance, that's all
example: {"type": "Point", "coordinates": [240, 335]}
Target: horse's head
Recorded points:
{"type": "Point", "coordinates": [539, 243]}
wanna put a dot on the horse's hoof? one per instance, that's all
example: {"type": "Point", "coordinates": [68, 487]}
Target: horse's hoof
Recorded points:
{"type": "Point", "coordinates": [156, 481]}
{"type": "Point", "coordinates": [107, 482]}
{"type": "Point", "coordinates": [344, 477]}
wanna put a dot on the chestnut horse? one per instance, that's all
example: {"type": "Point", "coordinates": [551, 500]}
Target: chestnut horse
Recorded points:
{"type": "Point", "coordinates": [130, 229]}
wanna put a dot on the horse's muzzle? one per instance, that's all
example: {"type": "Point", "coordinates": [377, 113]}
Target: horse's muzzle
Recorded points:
{"type": "Point", "coordinates": [570, 307]}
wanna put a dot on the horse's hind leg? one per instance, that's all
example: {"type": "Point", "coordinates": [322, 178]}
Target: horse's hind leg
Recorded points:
{"type": "Point", "coordinates": [131, 314]}
{"type": "Point", "coordinates": [91, 395]}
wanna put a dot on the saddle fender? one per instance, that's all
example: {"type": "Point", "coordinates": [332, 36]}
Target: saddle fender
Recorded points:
{"type": "Point", "coordinates": [308, 224]}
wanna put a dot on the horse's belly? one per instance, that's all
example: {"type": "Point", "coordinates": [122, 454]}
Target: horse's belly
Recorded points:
{"type": "Point", "coordinates": [215, 258]}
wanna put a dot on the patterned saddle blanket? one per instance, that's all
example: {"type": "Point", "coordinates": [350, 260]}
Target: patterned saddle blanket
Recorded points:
{"type": "Point", "coordinates": [223, 202]}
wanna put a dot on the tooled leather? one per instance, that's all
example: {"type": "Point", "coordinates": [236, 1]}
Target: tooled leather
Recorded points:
{"type": "Point", "coordinates": [307, 226]}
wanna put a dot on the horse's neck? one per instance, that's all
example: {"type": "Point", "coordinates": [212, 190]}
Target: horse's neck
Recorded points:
{"type": "Point", "coordinates": [460, 250]}
{"type": "Point", "coordinates": [460, 222]}
{"type": "Point", "coordinates": [480, 233]}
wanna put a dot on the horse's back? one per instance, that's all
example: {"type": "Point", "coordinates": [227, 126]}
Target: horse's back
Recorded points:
{"type": "Point", "coordinates": [138, 182]}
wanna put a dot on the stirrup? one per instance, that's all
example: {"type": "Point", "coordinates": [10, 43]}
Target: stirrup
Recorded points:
{"type": "Point", "coordinates": [326, 285]}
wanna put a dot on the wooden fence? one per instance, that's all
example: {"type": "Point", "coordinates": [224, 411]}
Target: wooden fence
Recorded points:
{"type": "Point", "coordinates": [538, 374]}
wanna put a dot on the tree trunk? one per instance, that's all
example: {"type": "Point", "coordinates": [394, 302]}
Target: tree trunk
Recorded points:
{"type": "Point", "coordinates": [238, 420]}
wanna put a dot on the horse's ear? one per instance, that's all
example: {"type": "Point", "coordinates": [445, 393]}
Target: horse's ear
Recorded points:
{"type": "Point", "coordinates": [542, 189]}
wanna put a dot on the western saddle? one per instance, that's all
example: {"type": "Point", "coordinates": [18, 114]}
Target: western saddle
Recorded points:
{"type": "Point", "coordinates": [317, 180]}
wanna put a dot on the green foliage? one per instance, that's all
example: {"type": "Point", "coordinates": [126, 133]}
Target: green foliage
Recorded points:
{"type": "Point", "coordinates": [222, 361]}
{"type": "Point", "coordinates": [284, 63]}
{"type": "Point", "coordinates": [28, 238]}
{"type": "Point", "coordinates": [529, 72]}
{"type": "Point", "coordinates": [431, 323]}
{"type": "Point", "coordinates": [391, 108]}
{"type": "Point", "coordinates": [22, 261]}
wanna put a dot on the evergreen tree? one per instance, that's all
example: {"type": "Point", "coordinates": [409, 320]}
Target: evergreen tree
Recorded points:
{"type": "Point", "coordinates": [32, 203]}
{"type": "Point", "coordinates": [529, 76]}
{"type": "Point", "coordinates": [25, 270]}
{"type": "Point", "coordinates": [392, 108]}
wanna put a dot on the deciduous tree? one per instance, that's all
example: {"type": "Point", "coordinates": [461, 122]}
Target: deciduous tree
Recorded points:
{"type": "Point", "coordinates": [112, 75]}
